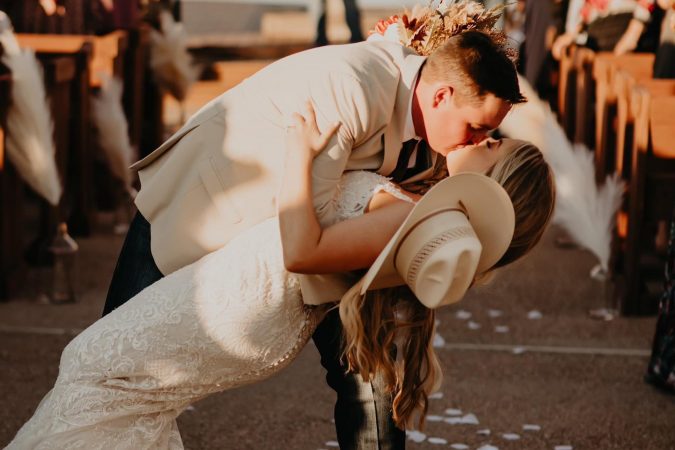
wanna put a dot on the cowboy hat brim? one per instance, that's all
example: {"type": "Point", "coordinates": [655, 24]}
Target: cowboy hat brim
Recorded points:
{"type": "Point", "coordinates": [488, 209]}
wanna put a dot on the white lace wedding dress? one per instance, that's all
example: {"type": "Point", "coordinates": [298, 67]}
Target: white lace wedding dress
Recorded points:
{"type": "Point", "coordinates": [233, 317]}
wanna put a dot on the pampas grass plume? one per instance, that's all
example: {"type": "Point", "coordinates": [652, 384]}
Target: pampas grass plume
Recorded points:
{"type": "Point", "coordinates": [169, 59]}
{"type": "Point", "coordinates": [30, 145]}
{"type": "Point", "coordinates": [587, 211]}
{"type": "Point", "coordinates": [112, 127]}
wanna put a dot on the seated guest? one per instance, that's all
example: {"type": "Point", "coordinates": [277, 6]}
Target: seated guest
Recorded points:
{"type": "Point", "coordinates": [611, 25]}
{"type": "Point", "coordinates": [664, 64]}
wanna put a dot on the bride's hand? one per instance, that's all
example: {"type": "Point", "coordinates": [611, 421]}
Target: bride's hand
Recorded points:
{"type": "Point", "coordinates": [304, 136]}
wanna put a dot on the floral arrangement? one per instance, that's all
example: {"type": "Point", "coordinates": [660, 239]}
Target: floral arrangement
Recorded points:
{"type": "Point", "coordinates": [425, 28]}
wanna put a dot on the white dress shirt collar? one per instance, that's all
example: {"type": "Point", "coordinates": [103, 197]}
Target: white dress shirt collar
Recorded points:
{"type": "Point", "coordinates": [409, 128]}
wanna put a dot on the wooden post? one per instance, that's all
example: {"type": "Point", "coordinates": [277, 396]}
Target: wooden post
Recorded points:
{"type": "Point", "coordinates": [11, 190]}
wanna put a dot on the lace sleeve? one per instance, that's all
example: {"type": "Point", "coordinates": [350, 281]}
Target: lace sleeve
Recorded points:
{"type": "Point", "coordinates": [355, 190]}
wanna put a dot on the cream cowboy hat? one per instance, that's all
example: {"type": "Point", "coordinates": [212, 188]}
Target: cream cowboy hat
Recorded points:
{"type": "Point", "coordinates": [461, 227]}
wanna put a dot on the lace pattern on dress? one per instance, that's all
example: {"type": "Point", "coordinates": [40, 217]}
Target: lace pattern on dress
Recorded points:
{"type": "Point", "coordinates": [355, 191]}
{"type": "Point", "coordinates": [234, 317]}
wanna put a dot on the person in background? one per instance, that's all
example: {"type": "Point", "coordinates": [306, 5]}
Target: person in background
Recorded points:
{"type": "Point", "coordinates": [661, 367]}
{"type": "Point", "coordinates": [352, 17]}
{"type": "Point", "coordinates": [60, 16]}
{"type": "Point", "coordinates": [538, 20]}
{"type": "Point", "coordinates": [607, 25]}
{"type": "Point", "coordinates": [664, 64]}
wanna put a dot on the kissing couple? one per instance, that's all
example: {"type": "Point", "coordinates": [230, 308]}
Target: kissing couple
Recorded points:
{"type": "Point", "coordinates": [341, 194]}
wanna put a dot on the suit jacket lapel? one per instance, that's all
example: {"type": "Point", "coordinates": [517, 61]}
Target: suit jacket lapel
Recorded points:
{"type": "Point", "coordinates": [393, 134]}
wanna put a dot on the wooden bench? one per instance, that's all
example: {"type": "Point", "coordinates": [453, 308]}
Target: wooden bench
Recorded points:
{"type": "Point", "coordinates": [95, 57]}
{"type": "Point", "coordinates": [584, 98]}
{"type": "Point", "coordinates": [566, 90]}
{"type": "Point", "coordinates": [605, 66]}
{"type": "Point", "coordinates": [651, 193]}
{"type": "Point", "coordinates": [59, 74]}
{"type": "Point", "coordinates": [136, 75]}
{"type": "Point", "coordinates": [11, 259]}
{"type": "Point", "coordinates": [624, 84]}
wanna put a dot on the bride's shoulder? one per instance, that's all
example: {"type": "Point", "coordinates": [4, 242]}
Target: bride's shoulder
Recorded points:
{"type": "Point", "coordinates": [370, 183]}
{"type": "Point", "coordinates": [363, 177]}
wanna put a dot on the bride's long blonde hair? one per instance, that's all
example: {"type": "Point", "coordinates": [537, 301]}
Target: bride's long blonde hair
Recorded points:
{"type": "Point", "coordinates": [389, 333]}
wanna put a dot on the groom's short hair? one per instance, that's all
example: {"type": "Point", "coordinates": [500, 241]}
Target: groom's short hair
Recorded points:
{"type": "Point", "coordinates": [475, 64]}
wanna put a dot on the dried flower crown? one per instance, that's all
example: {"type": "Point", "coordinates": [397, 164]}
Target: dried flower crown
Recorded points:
{"type": "Point", "coordinates": [426, 28]}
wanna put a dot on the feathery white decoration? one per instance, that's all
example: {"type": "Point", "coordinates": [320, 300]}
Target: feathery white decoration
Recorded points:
{"type": "Point", "coordinates": [587, 211]}
{"type": "Point", "coordinates": [113, 130]}
{"type": "Point", "coordinates": [30, 144]}
{"type": "Point", "coordinates": [169, 57]}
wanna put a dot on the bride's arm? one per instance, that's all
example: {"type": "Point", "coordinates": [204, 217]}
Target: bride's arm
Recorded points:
{"type": "Point", "coordinates": [348, 245]}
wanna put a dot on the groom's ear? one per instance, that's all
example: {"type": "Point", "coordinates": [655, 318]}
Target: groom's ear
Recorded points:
{"type": "Point", "coordinates": [443, 96]}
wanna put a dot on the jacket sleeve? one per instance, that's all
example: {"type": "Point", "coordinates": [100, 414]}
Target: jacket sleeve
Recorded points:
{"type": "Point", "coordinates": [363, 109]}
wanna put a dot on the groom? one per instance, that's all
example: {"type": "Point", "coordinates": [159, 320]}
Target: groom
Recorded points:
{"type": "Point", "coordinates": [218, 175]}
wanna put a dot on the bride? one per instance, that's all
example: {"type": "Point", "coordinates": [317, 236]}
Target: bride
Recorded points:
{"type": "Point", "coordinates": [236, 316]}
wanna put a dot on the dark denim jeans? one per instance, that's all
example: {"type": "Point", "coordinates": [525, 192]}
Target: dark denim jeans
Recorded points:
{"type": "Point", "coordinates": [362, 411]}
{"type": "Point", "coordinates": [135, 269]}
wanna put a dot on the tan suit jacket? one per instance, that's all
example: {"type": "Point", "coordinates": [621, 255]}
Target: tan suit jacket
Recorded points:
{"type": "Point", "coordinates": [220, 173]}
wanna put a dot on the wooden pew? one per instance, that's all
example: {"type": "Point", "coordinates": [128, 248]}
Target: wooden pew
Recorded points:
{"type": "Point", "coordinates": [136, 72]}
{"type": "Point", "coordinates": [566, 90]}
{"type": "Point", "coordinates": [651, 193]}
{"type": "Point", "coordinates": [624, 84]}
{"type": "Point", "coordinates": [605, 66]}
{"type": "Point", "coordinates": [584, 98]}
{"type": "Point", "coordinates": [59, 74]}
{"type": "Point", "coordinates": [95, 56]}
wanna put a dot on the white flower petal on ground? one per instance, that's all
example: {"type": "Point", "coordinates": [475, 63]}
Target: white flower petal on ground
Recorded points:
{"type": "Point", "coordinates": [332, 444]}
{"type": "Point", "coordinates": [511, 436]}
{"type": "Point", "coordinates": [459, 446]}
{"type": "Point", "coordinates": [433, 418]}
{"type": "Point", "coordinates": [437, 441]}
{"type": "Point", "coordinates": [562, 447]}
{"type": "Point", "coordinates": [484, 432]}
{"type": "Point", "coordinates": [453, 420]}
{"type": "Point", "coordinates": [463, 315]}
{"type": "Point", "coordinates": [501, 329]}
{"type": "Point", "coordinates": [494, 313]}
{"type": "Point", "coordinates": [488, 447]}
{"type": "Point", "coordinates": [598, 273]}
{"type": "Point", "coordinates": [531, 427]}
{"type": "Point", "coordinates": [453, 412]}
{"type": "Point", "coordinates": [534, 315]}
{"type": "Point", "coordinates": [439, 342]}
{"type": "Point", "coordinates": [416, 436]}
{"type": "Point", "coordinates": [518, 350]}
{"type": "Point", "coordinates": [436, 396]}
{"type": "Point", "coordinates": [190, 408]}
{"type": "Point", "coordinates": [470, 419]}
{"type": "Point", "coordinates": [473, 325]}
